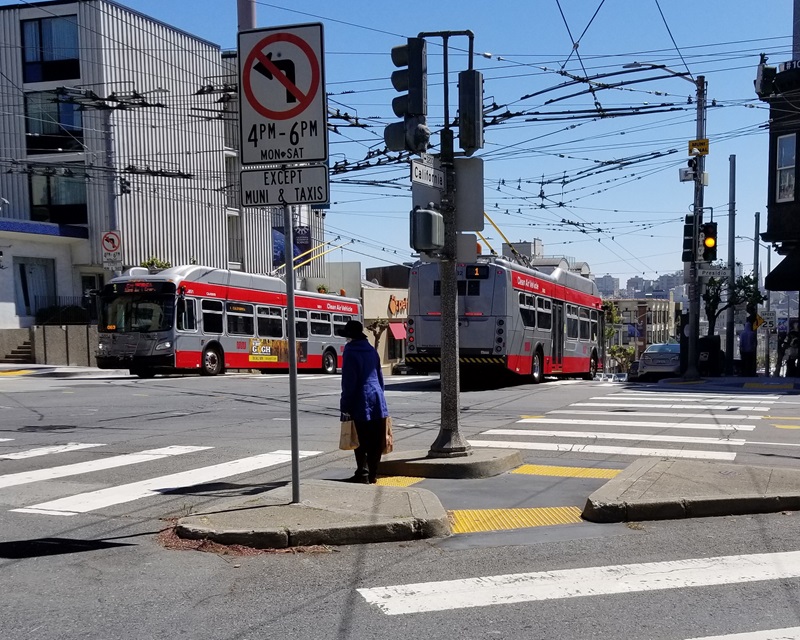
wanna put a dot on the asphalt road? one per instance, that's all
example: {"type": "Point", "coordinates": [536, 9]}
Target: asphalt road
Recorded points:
{"type": "Point", "coordinates": [91, 564]}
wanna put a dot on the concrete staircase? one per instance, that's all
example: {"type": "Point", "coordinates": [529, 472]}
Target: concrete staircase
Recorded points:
{"type": "Point", "coordinates": [21, 355]}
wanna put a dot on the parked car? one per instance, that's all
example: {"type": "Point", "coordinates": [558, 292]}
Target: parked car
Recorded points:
{"type": "Point", "coordinates": [660, 360]}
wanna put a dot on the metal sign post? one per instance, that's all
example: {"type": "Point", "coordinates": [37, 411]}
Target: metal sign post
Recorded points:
{"type": "Point", "coordinates": [283, 121]}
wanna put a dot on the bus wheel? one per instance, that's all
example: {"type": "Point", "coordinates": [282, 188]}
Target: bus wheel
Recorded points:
{"type": "Point", "coordinates": [592, 369]}
{"type": "Point", "coordinates": [212, 362]}
{"type": "Point", "coordinates": [538, 367]}
{"type": "Point", "coordinates": [329, 362]}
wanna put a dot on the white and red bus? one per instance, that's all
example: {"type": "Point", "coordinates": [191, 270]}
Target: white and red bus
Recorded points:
{"type": "Point", "coordinates": [510, 317]}
{"type": "Point", "coordinates": [193, 318]}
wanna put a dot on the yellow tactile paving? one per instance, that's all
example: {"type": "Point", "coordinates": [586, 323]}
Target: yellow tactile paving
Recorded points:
{"type": "Point", "coordinates": [16, 372]}
{"type": "Point", "coordinates": [566, 472]}
{"type": "Point", "coordinates": [767, 385]}
{"type": "Point", "coordinates": [398, 481]}
{"type": "Point", "coordinates": [475, 520]}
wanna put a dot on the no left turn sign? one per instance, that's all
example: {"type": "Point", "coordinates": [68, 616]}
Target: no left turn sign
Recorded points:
{"type": "Point", "coordinates": [284, 108]}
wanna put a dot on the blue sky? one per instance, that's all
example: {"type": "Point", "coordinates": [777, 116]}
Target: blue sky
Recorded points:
{"type": "Point", "coordinates": [557, 177]}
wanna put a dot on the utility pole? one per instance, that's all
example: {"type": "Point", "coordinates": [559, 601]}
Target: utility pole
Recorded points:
{"type": "Point", "coordinates": [755, 258]}
{"type": "Point", "coordinates": [692, 372]}
{"type": "Point", "coordinates": [729, 313]}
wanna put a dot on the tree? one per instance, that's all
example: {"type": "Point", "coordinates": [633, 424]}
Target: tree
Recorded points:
{"type": "Point", "coordinates": [745, 291]}
{"type": "Point", "coordinates": [376, 329]}
{"type": "Point", "coordinates": [613, 319]}
{"type": "Point", "coordinates": [623, 355]}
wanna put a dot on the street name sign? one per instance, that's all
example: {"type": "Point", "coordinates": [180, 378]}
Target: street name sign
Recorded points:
{"type": "Point", "coordinates": [283, 107]}
{"type": "Point", "coordinates": [713, 273]}
{"type": "Point", "coordinates": [295, 184]}
{"type": "Point", "coordinates": [422, 173]}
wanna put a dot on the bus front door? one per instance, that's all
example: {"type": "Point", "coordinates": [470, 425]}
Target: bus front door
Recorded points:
{"type": "Point", "coordinates": [558, 336]}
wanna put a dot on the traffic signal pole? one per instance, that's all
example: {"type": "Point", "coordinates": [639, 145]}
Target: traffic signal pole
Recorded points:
{"type": "Point", "coordinates": [692, 372]}
{"type": "Point", "coordinates": [449, 442]}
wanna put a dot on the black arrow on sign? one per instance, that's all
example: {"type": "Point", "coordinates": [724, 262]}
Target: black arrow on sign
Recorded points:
{"type": "Point", "coordinates": [286, 66]}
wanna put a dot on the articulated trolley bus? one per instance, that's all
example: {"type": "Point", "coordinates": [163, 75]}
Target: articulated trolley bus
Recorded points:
{"type": "Point", "coordinates": [510, 317]}
{"type": "Point", "coordinates": [194, 318]}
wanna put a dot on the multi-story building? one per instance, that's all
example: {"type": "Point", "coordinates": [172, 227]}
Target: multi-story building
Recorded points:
{"type": "Point", "coordinates": [113, 121]}
{"type": "Point", "coordinates": [645, 322]}
{"type": "Point", "coordinates": [608, 286]}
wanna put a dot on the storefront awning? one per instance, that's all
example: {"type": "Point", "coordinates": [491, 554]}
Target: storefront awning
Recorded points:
{"type": "Point", "coordinates": [398, 330]}
{"type": "Point", "coordinates": [786, 276]}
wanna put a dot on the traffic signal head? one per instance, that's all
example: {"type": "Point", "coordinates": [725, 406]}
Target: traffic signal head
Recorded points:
{"type": "Point", "coordinates": [709, 233]}
{"type": "Point", "coordinates": [412, 134]}
{"type": "Point", "coordinates": [470, 111]}
{"type": "Point", "coordinates": [427, 230]}
{"type": "Point", "coordinates": [688, 254]}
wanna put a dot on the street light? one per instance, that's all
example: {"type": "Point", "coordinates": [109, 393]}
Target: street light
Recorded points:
{"type": "Point", "coordinates": [694, 289]}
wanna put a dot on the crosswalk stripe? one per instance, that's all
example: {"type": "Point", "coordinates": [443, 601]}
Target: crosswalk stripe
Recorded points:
{"type": "Point", "coordinates": [631, 423]}
{"type": "Point", "coordinates": [697, 396]}
{"type": "Point", "coordinates": [617, 451]}
{"type": "Point", "coordinates": [644, 437]}
{"type": "Point", "coordinates": [787, 633]}
{"type": "Point", "coordinates": [657, 414]}
{"type": "Point", "coordinates": [93, 500]}
{"type": "Point", "coordinates": [589, 581]}
{"type": "Point", "coordinates": [25, 477]}
{"type": "Point", "coordinates": [716, 407]}
{"type": "Point", "coordinates": [700, 402]}
{"type": "Point", "coordinates": [6, 439]}
{"type": "Point", "coordinates": [43, 451]}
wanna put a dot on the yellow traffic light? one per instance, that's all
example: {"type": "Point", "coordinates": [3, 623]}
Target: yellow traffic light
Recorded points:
{"type": "Point", "coordinates": [710, 243]}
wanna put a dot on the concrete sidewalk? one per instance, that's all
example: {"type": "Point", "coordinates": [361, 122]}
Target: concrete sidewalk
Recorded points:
{"type": "Point", "coordinates": [663, 489]}
{"type": "Point", "coordinates": [337, 512]}
{"type": "Point", "coordinates": [59, 371]}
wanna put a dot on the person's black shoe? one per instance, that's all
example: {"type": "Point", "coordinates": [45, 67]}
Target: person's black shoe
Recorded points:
{"type": "Point", "coordinates": [358, 479]}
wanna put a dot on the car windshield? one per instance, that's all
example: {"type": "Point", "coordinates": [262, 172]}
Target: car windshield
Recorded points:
{"type": "Point", "coordinates": [664, 348]}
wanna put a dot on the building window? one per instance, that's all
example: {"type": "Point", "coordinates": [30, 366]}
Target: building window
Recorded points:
{"type": "Point", "coordinates": [34, 284]}
{"type": "Point", "coordinates": [52, 126]}
{"type": "Point", "coordinates": [234, 237]}
{"type": "Point", "coordinates": [785, 168]}
{"type": "Point", "coordinates": [50, 49]}
{"type": "Point", "coordinates": [59, 196]}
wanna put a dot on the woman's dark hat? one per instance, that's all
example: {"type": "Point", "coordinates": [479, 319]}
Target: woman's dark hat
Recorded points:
{"type": "Point", "coordinates": [353, 330]}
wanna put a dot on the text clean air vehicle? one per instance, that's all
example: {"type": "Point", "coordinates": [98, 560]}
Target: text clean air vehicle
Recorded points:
{"type": "Point", "coordinates": [511, 317]}
{"type": "Point", "coordinates": [193, 318]}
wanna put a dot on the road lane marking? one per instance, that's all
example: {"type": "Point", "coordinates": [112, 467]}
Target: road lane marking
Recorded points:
{"type": "Point", "coordinates": [656, 414]}
{"type": "Point", "coordinates": [631, 423]}
{"type": "Point", "coordinates": [644, 437]}
{"type": "Point", "coordinates": [446, 595]}
{"type": "Point", "coordinates": [693, 396]}
{"type": "Point", "coordinates": [717, 407]}
{"type": "Point", "coordinates": [479, 520]}
{"type": "Point", "coordinates": [93, 500]}
{"type": "Point", "coordinates": [43, 451]}
{"type": "Point", "coordinates": [616, 451]}
{"type": "Point", "coordinates": [787, 633]}
{"type": "Point", "coordinates": [25, 477]}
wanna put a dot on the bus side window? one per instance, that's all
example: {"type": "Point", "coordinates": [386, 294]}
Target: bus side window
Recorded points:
{"type": "Point", "coordinates": [338, 324]}
{"type": "Point", "coordinates": [320, 323]}
{"type": "Point", "coordinates": [527, 309]}
{"type": "Point", "coordinates": [270, 322]}
{"type": "Point", "coordinates": [544, 314]}
{"type": "Point", "coordinates": [212, 316]}
{"type": "Point", "coordinates": [584, 327]}
{"type": "Point", "coordinates": [594, 325]}
{"type": "Point", "coordinates": [187, 321]}
{"type": "Point", "coordinates": [240, 319]}
{"type": "Point", "coordinates": [300, 324]}
{"type": "Point", "coordinates": [572, 321]}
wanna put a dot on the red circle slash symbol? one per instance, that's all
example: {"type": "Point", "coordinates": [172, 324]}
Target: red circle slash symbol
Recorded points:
{"type": "Point", "coordinates": [262, 63]}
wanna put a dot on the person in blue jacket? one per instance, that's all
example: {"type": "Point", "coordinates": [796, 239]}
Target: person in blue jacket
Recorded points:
{"type": "Point", "coordinates": [363, 400]}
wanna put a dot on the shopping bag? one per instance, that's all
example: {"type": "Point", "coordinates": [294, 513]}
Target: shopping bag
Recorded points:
{"type": "Point", "coordinates": [348, 437]}
{"type": "Point", "coordinates": [388, 441]}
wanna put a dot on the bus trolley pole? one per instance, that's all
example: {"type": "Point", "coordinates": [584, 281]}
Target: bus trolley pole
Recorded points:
{"type": "Point", "coordinates": [291, 334]}
{"type": "Point", "coordinates": [449, 442]}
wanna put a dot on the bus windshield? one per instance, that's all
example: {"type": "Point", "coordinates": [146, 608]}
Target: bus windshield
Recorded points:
{"type": "Point", "coordinates": [136, 313]}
